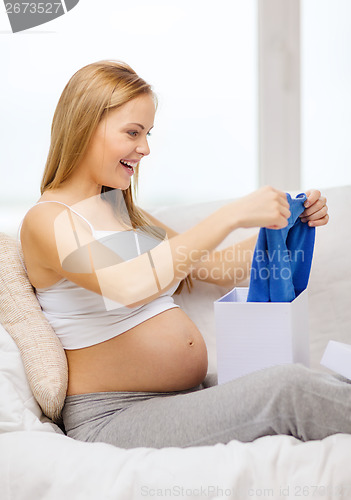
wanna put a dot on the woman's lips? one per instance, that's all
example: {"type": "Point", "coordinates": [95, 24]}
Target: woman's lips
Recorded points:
{"type": "Point", "coordinates": [129, 169]}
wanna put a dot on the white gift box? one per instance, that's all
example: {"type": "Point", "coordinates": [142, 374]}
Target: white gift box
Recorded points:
{"type": "Point", "coordinates": [255, 335]}
{"type": "Point", "coordinates": [337, 357]}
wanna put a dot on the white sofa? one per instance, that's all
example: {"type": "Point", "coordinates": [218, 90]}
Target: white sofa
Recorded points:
{"type": "Point", "coordinates": [37, 461]}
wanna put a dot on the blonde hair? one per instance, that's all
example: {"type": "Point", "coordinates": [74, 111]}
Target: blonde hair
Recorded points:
{"type": "Point", "coordinates": [87, 97]}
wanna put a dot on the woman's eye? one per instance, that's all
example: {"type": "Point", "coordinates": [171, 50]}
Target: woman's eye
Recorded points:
{"type": "Point", "coordinates": [134, 133]}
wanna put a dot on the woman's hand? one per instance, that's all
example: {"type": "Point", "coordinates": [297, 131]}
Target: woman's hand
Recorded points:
{"type": "Point", "coordinates": [316, 211]}
{"type": "Point", "coordinates": [266, 207]}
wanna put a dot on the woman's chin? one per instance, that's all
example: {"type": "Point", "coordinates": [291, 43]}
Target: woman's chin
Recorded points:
{"type": "Point", "coordinates": [120, 185]}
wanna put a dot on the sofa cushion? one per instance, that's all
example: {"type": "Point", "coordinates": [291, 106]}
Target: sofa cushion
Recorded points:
{"type": "Point", "coordinates": [43, 356]}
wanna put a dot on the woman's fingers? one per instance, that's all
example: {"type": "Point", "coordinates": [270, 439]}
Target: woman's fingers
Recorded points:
{"type": "Point", "coordinates": [275, 209]}
{"type": "Point", "coordinates": [317, 205]}
{"type": "Point", "coordinates": [313, 195]}
{"type": "Point", "coordinates": [320, 222]}
{"type": "Point", "coordinates": [282, 208]}
{"type": "Point", "coordinates": [319, 214]}
{"type": "Point", "coordinates": [316, 213]}
{"type": "Point", "coordinates": [266, 207]}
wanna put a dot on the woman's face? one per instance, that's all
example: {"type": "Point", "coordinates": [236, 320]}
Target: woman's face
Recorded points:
{"type": "Point", "coordinates": [120, 138]}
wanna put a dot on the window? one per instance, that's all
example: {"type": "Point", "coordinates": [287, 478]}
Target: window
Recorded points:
{"type": "Point", "coordinates": [326, 95]}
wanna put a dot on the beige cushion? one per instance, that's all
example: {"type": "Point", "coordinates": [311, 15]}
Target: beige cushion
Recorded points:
{"type": "Point", "coordinates": [42, 353]}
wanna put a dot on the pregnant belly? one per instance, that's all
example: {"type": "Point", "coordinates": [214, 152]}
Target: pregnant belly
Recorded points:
{"type": "Point", "coordinates": [164, 353]}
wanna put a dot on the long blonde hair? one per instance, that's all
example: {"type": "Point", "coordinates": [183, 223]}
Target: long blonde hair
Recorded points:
{"type": "Point", "coordinates": [89, 94]}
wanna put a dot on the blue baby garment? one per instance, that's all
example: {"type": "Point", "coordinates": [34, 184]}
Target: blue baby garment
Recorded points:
{"type": "Point", "coordinates": [282, 259]}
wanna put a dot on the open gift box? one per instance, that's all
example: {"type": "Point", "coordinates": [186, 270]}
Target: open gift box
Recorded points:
{"type": "Point", "coordinates": [251, 336]}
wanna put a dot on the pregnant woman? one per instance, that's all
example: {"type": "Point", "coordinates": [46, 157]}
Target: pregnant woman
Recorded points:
{"type": "Point", "coordinates": [104, 271]}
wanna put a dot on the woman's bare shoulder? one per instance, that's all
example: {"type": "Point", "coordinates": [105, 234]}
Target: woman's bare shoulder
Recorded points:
{"type": "Point", "coordinates": [39, 218]}
{"type": "Point", "coordinates": [38, 229]}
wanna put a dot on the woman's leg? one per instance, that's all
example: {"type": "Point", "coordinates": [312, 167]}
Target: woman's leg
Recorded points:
{"type": "Point", "coordinates": [287, 399]}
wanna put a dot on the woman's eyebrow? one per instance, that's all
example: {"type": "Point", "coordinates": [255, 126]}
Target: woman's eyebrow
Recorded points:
{"type": "Point", "coordinates": [139, 125]}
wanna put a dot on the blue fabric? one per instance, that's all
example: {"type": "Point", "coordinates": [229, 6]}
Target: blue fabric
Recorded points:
{"type": "Point", "coordinates": [282, 259]}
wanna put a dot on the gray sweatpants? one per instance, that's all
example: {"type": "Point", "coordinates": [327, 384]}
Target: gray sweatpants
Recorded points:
{"type": "Point", "coordinates": [286, 399]}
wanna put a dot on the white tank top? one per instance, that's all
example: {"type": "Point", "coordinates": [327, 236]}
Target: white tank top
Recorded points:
{"type": "Point", "coordinates": [82, 318]}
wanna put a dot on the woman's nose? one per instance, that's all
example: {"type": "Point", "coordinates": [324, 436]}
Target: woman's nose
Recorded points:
{"type": "Point", "coordinates": [143, 147]}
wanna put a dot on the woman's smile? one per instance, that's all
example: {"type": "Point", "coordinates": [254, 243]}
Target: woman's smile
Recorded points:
{"type": "Point", "coordinates": [129, 165]}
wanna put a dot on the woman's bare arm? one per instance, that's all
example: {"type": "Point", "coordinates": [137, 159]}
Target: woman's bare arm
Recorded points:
{"type": "Point", "coordinates": [52, 234]}
{"type": "Point", "coordinates": [227, 267]}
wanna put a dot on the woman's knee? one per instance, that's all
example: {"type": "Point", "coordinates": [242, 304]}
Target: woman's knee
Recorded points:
{"type": "Point", "coordinates": [290, 377]}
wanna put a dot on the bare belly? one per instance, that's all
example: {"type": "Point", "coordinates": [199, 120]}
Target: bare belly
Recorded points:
{"type": "Point", "coordinates": [164, 353]}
